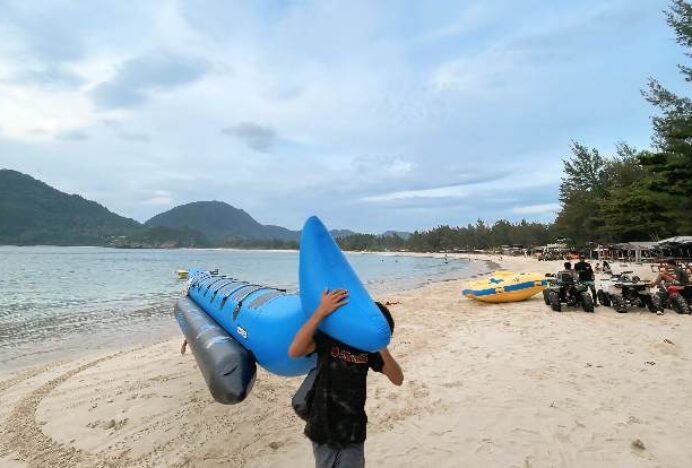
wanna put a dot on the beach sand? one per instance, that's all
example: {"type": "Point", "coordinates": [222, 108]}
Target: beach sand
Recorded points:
{"type": "Point", "coordinates": [512, 385]}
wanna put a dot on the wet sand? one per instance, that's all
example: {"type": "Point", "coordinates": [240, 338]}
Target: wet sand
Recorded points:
{"type": "Point", "coordinates": [486, 385]}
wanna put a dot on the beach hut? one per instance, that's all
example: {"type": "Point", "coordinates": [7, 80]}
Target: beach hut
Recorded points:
{"type": "Point", "coordinates": [556, 251]}
{"type": "Point", "coordinates": [675, 247]}
{"type": "Point", "coordinates": [627, 251]}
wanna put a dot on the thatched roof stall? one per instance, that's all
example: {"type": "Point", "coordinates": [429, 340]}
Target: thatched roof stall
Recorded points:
{"type": "Point", "coordinates": [675, 247]}
{"type": "Point", "coordinates": [627, 251]}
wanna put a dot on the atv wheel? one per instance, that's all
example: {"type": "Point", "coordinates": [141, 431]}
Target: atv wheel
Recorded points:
{"type": "Point", "coordinates": [587, 302]}
{"type": "Point", "coordinates": [555, 301]}
{"type": "Point", "coordinates": [603, 298]}
{"type": "Point", "coordinates": [618, 304]}
{"type": "Point", "coordinates": [546, 296]}
{"type": "Point", "coordinates": [679, 304]}
{"type": "Point", "coordinates": [655, 304]}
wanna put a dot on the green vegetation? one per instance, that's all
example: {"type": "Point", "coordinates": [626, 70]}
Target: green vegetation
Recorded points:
{"type": "Point", "coordinates": [32, 212]}
{"type": "Point", "coordinates": [161, 237]}
{"type": "Point", "coordinates": [626, 196]}
{"type": "Point", "coordinates": [636, 195]}
{"type": "Point", "coordinates": [372, 242]}
{"type": "Point", "coordinates": [221, 223]}
{"type": "Point", "coordinates": [471, 237]}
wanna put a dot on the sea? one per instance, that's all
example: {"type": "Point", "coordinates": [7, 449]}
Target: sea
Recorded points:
{"type": "Point", "coordinates": [56, 301]}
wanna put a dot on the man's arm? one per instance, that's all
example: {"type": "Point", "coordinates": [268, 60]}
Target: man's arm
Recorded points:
{"type": "Point", "coordinates": [304, 343]}
{"type": "Point", "coordinates": [391, 368]}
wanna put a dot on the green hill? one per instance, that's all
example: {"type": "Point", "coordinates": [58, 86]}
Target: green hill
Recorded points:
{"type": "Point", "coordinates": [32, 212]}
{"type": "Point", "coordinates": [403, 234]}
{"type": "Point", "coordinates": [220, 223]}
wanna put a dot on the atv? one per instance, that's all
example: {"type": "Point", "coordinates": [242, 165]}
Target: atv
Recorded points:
{"type": "Point", "coordinates": [626, 292]}
{"type": "Point", "coordinates": [565, 290]}
{"type": "Point", "coordinates": [676, 297]}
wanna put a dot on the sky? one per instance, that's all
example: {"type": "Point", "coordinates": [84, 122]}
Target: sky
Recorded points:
{"type": "Point", "coordinates": [374, 115]}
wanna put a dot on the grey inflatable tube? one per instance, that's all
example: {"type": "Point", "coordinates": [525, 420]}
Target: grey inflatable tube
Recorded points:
{"type": "Point", "coordinates": [227, 367]}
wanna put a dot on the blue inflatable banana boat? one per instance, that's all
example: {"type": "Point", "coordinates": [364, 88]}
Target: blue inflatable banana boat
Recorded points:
{"type": "Point", "coordinates": [232, 324]}
{"type": "Point", "coordinates": [323, 266]}
{"type": "Point", "coordinates": [263, 320]}
{"type": "Point", "coordinates": [228, 369]}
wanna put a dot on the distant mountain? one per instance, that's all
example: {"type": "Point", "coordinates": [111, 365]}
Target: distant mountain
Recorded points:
{"type": "Point", "coordinates": [341, 233]}
{"type": "Point", "coordinates": [32, 212]}
{"type": "Point", "coordinates": [220, 222]}
{"type": "Point", "coordinates": [403, 234]}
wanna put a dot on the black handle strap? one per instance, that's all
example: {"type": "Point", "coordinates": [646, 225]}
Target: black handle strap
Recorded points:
{"type": "Point", "coordinates": [232, 291]}
{"type": "Point", "coordinates": [217, 280]}
{"type": "Point", "coordinates": [228, 282]}
{"type": "Point", "coordinates": [236, 311]}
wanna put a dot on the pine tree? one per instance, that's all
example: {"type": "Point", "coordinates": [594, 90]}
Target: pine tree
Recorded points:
{"type": "Point", "coordinates": [671, 164]}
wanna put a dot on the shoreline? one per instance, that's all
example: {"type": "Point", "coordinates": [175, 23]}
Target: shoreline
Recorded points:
{"type": "Point", "coordinates": [37, 353]}
{"type": "Point", "coordinates": [486, 385]}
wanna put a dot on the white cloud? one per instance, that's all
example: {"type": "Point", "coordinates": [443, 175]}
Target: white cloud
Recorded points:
{"type": "Point", "coordinates": [536, 209]}
{"type": "Point", "coordinates": [160, 198]}
{"type": "Point", "coordinates": [25, 109]}
{"type": "Point", "coordinates": [479, 74]}
{"type": "Point", "coordinates": [454, 191]}
{"type": "Point", "coordinates": [363, 108]}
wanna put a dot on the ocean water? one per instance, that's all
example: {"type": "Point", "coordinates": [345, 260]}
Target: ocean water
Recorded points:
{"type": "Point", "coordinates": [61, 298]}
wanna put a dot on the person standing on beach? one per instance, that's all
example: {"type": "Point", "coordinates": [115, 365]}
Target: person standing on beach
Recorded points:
{"type": "Point", "coordinates": [336, 423]}
{"type": "Point", "coordinates": [586, 276]}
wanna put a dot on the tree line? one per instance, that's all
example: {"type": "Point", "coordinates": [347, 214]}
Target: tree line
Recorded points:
{"type": "Point", "coordinates": [631, 195]}
{"type": "Point", "coordinates": [636, 194]}
{"type": "Point", "coordinates": [471, 237]}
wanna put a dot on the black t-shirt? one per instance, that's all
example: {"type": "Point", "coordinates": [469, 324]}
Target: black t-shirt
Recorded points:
{"type": "Point", "coordinates": [337, 413]}
{"type": "Point", "coordinates": [584, 270]}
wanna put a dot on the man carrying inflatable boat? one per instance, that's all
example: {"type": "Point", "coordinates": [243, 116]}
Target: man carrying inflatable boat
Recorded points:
{"type": "Point", "coordinates": [336, 421]}
{"type": "Point", "coordinates": [332, 330]}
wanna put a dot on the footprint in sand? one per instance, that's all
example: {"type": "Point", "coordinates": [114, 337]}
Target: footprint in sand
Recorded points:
{"type": "Point", "coordinates": [108, 425]}
{"type": "Point", "coordinates": [666, 347]}
{"type": "Point", "coordinates": [455, 384]}
{"type": "Point", "coordinates": [22, 436]}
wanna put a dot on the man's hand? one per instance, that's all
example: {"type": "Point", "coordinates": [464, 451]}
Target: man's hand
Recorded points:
{"type": "Point", "coordinates": [331, 301]}
{"type": "Point", "coordinates": [304, 343]}
{"type": "Point", "coordinates": [391, 368]}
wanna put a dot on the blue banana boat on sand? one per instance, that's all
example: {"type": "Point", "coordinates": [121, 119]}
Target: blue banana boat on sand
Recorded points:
{"type": "Point", "coordinates": [262, 319]}
{"type": "Point", "coordinates": [232, 324]}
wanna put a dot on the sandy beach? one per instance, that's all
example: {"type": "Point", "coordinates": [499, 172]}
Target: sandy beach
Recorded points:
{"type": "Point", "coordinates": [512, 385]}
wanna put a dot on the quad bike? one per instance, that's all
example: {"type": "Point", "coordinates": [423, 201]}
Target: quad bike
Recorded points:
{"type": "Point", "coordinates": [676, 297]}
{"type": "Point", "coordinates": [565, 289]}
{"type": "Point", "coordinates": [626, 292]}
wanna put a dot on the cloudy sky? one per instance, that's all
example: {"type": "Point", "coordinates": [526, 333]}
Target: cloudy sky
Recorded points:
{"type": "Point", "coordinates": [372, 114]}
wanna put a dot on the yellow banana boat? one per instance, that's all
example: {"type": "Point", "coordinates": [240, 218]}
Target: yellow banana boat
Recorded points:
{"type": "Point", "coordinates": [505, 286]}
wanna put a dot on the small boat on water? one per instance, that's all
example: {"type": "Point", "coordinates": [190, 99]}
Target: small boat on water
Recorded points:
{"type": "Point", "coordinates": [182, 274]}
{"type": "Point", "coordinates": [506, 286]}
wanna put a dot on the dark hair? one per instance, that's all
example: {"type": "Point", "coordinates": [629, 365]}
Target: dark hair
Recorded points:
{"type": "Point", "coordinates": [582, 257]}
{"type": "Point", "coordinates": [568, 265]}
{"type": "Point", "coordinates": [387, 315]}
{"type": "Point", "coordinates": [671, 261]}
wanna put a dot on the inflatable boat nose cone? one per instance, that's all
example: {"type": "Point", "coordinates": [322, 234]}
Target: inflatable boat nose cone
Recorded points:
{"type": "Point", "coordinates": [323, 266]}
{"type": "Point", "coordinates": [313, 223]}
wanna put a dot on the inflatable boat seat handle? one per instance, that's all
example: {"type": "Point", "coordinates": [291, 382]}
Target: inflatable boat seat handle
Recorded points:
{"type": "Point", "coordinates": [236, 311]}
{"type": "Point", "coordinates": [212, 283]}
{"type": "Point", "coordinates": [229, 293]}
